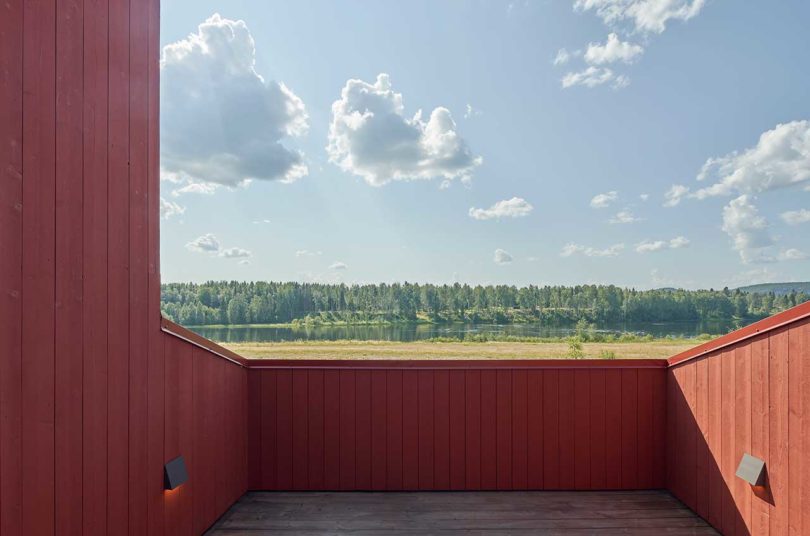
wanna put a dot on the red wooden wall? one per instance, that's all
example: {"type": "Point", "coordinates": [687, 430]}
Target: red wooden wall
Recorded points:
{"type": "Point", "coordinates": [94, 398]}
{"type": "Point", "coordinates": [457, 425]}
{"type": "Point", "coordinates": [750, 395]}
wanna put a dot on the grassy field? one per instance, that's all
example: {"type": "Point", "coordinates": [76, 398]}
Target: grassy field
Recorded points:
{"type": "Point", "coordinates": [661, 348]}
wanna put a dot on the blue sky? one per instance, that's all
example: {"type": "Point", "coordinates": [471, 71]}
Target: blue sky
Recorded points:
{"type": "Point", "coordinates": [595, 161]}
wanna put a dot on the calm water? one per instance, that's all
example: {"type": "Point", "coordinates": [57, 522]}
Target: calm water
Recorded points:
{"type": "Point", "coordinates": [415, 332]}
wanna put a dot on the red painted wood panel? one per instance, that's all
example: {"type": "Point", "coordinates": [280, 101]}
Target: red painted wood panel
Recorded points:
{"type": "Point", "coordinates": [582, 429]}
{"type": "Point", "coordinates": [760, 415]}
{"type": "Point", "coordinates": [489, 430]}
{"type": "Point", "coordinates": [285, 415]}
{"type": "Point", "coordinates": [441, 427]}
{"type": "Point", "coordinates": [347, 430]}
{"type": "Point", "coordinates": [520, 429]}
{"type": "Point", "coordinates": [457, 429]}
{"type": "Point", "coordinates": [598, 437]}
{"type": "Point", "coordinates": [363, 429]}
{"type": "Point", "coordinates": [331, 430]}
{"type": "Point", "coordinates": [798, 488]}
{"type": "Point", "coordinates": [503, 429]}
{"type": "Point", "coordinates": [629, 427]}
{"type": "Point", "coordinates": [410, 430]}
{"type": "Point", "coordinates": [644, 444]}
{"type": "Point", "coordinates": [379, 430]}
{"type": "Point", "coordinates": [613, 429]}
{"type": "Point", "coordinates": [11, 199]}
{"type": "Point", "coordinates": [534, 432]}
{"type": "Point", "coordinates": [315, 437]}
{"type": "Point", "coordinates": [393, 427]}
{"type": "Point", "coordinates": [742, 435]}
{"type": "Point", "coordinates": [300, 430]}
{"type": "Point", "coordinates": [473, 429]}
{"type": "Point", "coordinates": [778, 469]}
{"type": "Point", "coordinates": [425, 411]}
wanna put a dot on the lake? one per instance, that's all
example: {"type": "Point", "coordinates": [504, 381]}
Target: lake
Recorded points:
{"type": "Point", "coordinates": [415, 332]}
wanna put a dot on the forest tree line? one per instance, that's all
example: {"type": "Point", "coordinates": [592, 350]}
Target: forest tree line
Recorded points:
{"type": "Point", "coordinates": [234, 302]}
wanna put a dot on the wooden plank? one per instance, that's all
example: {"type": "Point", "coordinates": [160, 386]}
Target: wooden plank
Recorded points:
{"type": "Point", "coordinates": [503, 429]}
{"type": "Point", "coordinates": [38, 267]}
{"type": "Point", "coordinates": [690, 434]}
{"type": "Point", "coordinates": [284, 429]}
{"type": "Point", "coordinates": [363, 429]}
{"type": "Point", "coordinates": [300, 429]}
{"type": "Point", "coordinates": [702, 460]}
{"type": "Point", "coordinates": [742, 435]}
{"type": "Point", "coordinates": [379, 430]}
{"type": "Point", "coordinates": [185, 434]}
{"type": "Point", "coordinates": [629, 435]}
{"type": "Point", "coordinates": [489, 423]}
{"type": "Point", "coordinates": [566, 428]}
{"type": "Point", "coordinates": [457, 429]}
{"type": "Point", "coordinates": [797, 458]}
{"type": "Point", "coordinates": [760, 443]}
{"type": "Point", "coordinates": [11, 192]}
{"type": "Point", "coordinates": [332, 413]}
{"type": "Point", "coordinates": [441, 430]}
{"type": "Point", "coordinates": [394, 431]}
{"type": "Point", "coordinates": [727, 465]}
{"type": "Point", "coordinates": [347, 430]}
{"type": "Point", "coordinates": [659, 428]}
{"type": "Point", "coordinates": [410, 429]}
{"type": "Point", "coordinates": [644, 411]}
{"type": "Point", "coordinates": [534, 432]}
{"type": "Point", "coordinates": [582, 430]}
{"type": "Point", "coordinates": [254, 417]}
{"type": "Point", "coordinates": [715, 476]}
{"type": "Point", "coordinates": [598, 437]}
{"type": "Point", "coordinates": [118, 350]}
{"type": "Point", "coordinates": [315, 437]}
{"type": "Point", "coordinates": [778, 469]}
{"type": "Point", "coordinates": [171, 447]}
{"type": "Point", "coordinates": [68, 359]}
{"type": "Point", "coordinates": [551, 431]}
{"type": "Point", "coordinates": [425, 428]}
{"type": "Point", "coordinates": [613, 428]}
{"type": "Point", "coordinates": [520, 432]}
{"type": "Point", "coordinates": [801, 332]}
{"type": "Point", "coordinates": [268, 431]}
{"type": "Point", "coordinates": [473, 429]}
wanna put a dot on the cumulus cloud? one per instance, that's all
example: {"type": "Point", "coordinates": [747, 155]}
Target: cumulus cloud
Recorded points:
{"type": "Point", "coordinates": [780, 159]}
{"type": "Point", "coordinates": [221, 121]}
{"type": "Point", "coordinates": [203, 188]}
{"type": "Point", "coordinates": [647, 16]}
{"type": "Point", "coordinates": [675, 195]}
{"type": "Point", "coordinates": [624, 216]}
{"type": "Point", "coordinates": [307, 253]}
{"type": "Point", "coordinates": [502, 257]}
{"type": "Point", "coordinates": [562, 57]}
{"type": "Point", "coordinates": [649, 246]}
{"type": "Point", "coordinates": [796, 217]}
{"type": "Point", "coordinates": [169, 209]}
{"type": "Point", "coordinates": [747, 229]}
{"type": "Point", "coordinates": [612, 51]}
{"type": "Point", "coordinates": [235, 253]}
{"type": "Point", "coordinates": [604, 200]}
{"type": "Point", "coordinates": [206, 243]}
{"type": "Point", "coordinates": [572, 249]}
{"type": "Point", "coordinates": [338, 266]}
{"type": "Point", "coordinates": [594, 76]}
{"type": "Point", "coordinates": [371, 137]}
{"type": "Point", "coordinates": [508, 208]}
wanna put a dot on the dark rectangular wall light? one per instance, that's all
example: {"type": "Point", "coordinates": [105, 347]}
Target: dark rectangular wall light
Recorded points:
{"type": "Point", "coordinates": [752, 470]}
{"type": "Point", "coordinates": [174, 473]}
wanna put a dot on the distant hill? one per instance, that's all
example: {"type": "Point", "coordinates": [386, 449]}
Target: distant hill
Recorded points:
{"type": "Point", "coordinates": [778, 288]}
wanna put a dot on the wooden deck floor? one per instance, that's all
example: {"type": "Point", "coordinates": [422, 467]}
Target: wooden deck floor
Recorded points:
{"type": "Point", "coordinates": [491, 513]}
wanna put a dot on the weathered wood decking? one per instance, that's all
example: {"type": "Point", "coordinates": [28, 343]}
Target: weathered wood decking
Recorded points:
{"type": "Point", "coordinates": [491, 513]}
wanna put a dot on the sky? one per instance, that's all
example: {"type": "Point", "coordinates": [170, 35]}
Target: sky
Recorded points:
{"type": "Point", "coordinates": [642, 143]}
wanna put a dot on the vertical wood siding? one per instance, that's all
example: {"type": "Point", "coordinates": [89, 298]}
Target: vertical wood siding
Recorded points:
{"type": "Point", "coordinates": [754, 397]}
{"type": "Point", "coordinates": [94, 397]}
{"type": "Point", "coordinates": [389, 427]}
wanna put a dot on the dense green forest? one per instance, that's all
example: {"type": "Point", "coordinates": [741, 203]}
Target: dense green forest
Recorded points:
{"type": "Point", "coordinates": [232, 302]}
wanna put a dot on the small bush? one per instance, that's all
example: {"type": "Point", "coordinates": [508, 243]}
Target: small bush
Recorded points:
{"type": "Point", "coordinates": [607, 354]}
{"type": "Point", "coordinates": [575, 348]}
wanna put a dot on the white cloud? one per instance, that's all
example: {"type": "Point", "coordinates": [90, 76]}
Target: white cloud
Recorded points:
{"type": "Point", "coordinates": [644, 197]}
{"type": "Point", "coordinates": [793, 254]}
{"type": "Point", "coordinates": [221, 121]}
{"type": "Point", "coordinates": [370, 136]}
{"type": "Point", "coordinates": [206, 243]}
{"type": "Point", "coordinates": [307, 253]}
{"type": "Point", "coordinates": [170, 208]}
{"type": "Point", "coordinates": [604, 200]}
{"type": "Point", "coordinates": [624, 216]}
{"type": "Point", "coordinates": [562, 57]}
{"type": "Point", "coordinates": [235, 253]}
{"type": "Point", "coordinates": [675, 194]}
{"type": "Point", "coordinates": [747, 229]}
{"type": "Point", "coordinates": [647, 16]}
{"type": "Point", "coordinates": [472, 112]}
{"type": "Point", "coordinates": [502, 257]}
{"type": "Point", "coordinates": [338, 265]}
{"type": "Point", "coordinates": [649, 246]}
{"type": "Point", "coordinates": [781, 158]}
{"type": "Point", "coordinates": [612, 51]}
{"type": "Point", "coordinates": [753, 277]}
{"type": "Point", "coordinates": [508, 208]}
{"type": "Point", "coordinates": [203, 188]}
{"type": "Point", "coordinates": [611, 251]}
{"type": "Point", "coordinates": [244, 262]}
{"type": "Point", "coordinates": [261, 221]}
{"type": "Point", "coordinates": [796, 217]}
{"type": "Point", "coordinates": [594, 76]}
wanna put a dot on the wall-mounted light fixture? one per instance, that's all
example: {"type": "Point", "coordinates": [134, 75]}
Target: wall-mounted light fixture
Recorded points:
{"type": "Point", "coordinates": [174, 473]}
{"type": "Point", "coordinates": [752, 470]}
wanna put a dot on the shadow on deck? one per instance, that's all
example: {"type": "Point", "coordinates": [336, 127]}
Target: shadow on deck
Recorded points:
{"type": "Point", "coordinates": [491, 513]}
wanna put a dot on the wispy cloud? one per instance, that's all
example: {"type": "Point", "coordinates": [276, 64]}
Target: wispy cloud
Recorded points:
{"type": "Point", "coordinates": [509, 208]}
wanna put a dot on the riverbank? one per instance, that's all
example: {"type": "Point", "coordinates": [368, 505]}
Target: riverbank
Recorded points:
{"type": "Point", "coordinates": [363, 350]}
